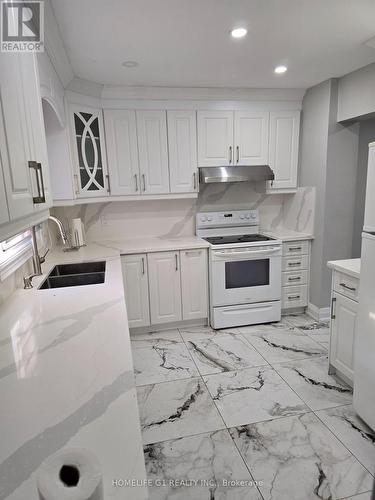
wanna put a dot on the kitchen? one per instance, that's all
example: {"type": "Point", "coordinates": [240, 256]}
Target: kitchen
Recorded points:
{"type": "Point", "coordinates": [186, 274]}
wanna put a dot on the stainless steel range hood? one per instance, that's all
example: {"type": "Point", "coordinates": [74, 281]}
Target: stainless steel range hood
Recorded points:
{"type": "Point", "coordinates": [240, 173]}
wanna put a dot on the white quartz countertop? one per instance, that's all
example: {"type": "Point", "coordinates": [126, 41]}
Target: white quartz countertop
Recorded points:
{"type": "Point", "coordinates": [66, 380]}
{"type": "Point", "coordinates": [352, 267]}
{"type": "Point", "coordinates": [152, 244]}
{"type": "Point", "coordinates": [288, 235]}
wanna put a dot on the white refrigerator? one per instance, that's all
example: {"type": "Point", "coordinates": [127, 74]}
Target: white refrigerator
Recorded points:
{"type": "Point", "coordinates": [364, 348]}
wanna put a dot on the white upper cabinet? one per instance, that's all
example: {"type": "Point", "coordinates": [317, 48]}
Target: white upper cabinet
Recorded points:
{"type": "Point", "coordinates": [194, 284]}
{"type": "Point", "coordinates": [122, 151]}
{"type": "Point", "coordinates": [165, 287]}
{"type": "Point", "coordinates": [153, 151]}
{"type": "Point", "coordinates": [283, 148]}
{"type": "Point", "coordinates": [134, 269]}
{"type": "Point", "coordinates": [215, 138]}
{"type": "Point", "coordinates": [251, 137]}
{"type": "Point", "coordinates": [88, 150]}
{"type": "Point", "coordinates": [182, 147]}
{"type": "Point", "coordinates": [23, 148]}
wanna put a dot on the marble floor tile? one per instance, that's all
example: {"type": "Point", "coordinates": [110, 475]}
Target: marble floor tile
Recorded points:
{"type": "Point", "coordinates": [361, 496]}
{"type": "Point", "coordinates": [310, 380]}
{"type": "Point", "coordinates": [252, 395]}
{"type": "Point", "coordinates": [352, 432]}
{"type": "Point", "coordinates": [298, 458]}
{"type": "Point", "coordinates": [283, 344]}
{"type": "Point", "coordinates": [153, 338]}
{"type": "Point", "coordinates": [265, 327]}
{"type": "Point", "coordinates": [203, 332]}
{"type": "Point", "coordinates": [176, 409]}
{"type": "Point", "coordinates": [299, 319]}
{"type": "Point", "coordinates": [318, 331]}
{"type": "Point", "coordinates": [224, 353]}
{"type": "Point", "coordinates": [211, 457]}
{"type": "Point", "coordinates": [160, 363]}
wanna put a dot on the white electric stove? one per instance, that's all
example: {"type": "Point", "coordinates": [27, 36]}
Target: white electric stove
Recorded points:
{"type": "Point", "coordinates": [244, 266]}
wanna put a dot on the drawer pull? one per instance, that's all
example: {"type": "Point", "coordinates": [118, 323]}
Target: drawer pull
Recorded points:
{"type": "Point", "coordinates": [297, 278]}
{"type": "Point", "coordinates": [294, 249]}
{"type": "Point", "coordinates": [291, 264]}
{"type": "Point", "coordinates": [294, 297]}
{"type": "Point", "coordinates": [351, 288]}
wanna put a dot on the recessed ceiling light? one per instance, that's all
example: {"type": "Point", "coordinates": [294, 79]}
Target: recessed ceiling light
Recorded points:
{"type": "Point", "coordinates": [130, 64]}
{"type": "Point", "coordinates": [280, 69]}
{"type": "Point", "coordinates": [238, 32]}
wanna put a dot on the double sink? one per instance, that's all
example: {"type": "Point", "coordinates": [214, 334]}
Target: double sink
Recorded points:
{"type": "Point", "coordinates": [82, 273]}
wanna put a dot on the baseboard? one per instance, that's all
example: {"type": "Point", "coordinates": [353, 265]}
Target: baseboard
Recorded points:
{"type": "Point", "coordinates": [319, 314]}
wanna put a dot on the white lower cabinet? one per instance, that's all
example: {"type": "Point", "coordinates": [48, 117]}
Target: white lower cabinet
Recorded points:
{"type": "Point", "coordinates": [295, 274]}
{"type": "Point", "coordinates": [165, 287]}
{"type": "Point", "coordinates": [134, 270]}
{"type": "Point", "coordinates": [194, 284]}
{"type": "Point", "coordinates": [343, 324]}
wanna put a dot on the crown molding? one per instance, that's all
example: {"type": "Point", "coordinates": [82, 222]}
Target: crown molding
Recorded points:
{"type": "Point", "coordinates": [55, 46]}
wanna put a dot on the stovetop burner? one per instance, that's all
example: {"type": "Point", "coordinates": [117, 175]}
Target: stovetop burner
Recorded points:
{"type": "Point", "coordinates": [245, 238]}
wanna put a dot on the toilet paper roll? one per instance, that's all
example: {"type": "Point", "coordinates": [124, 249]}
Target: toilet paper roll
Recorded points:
{"type": "Point", "coordinates": [78, 233]}
{"type": "Point", "coordinates": [70, 474]}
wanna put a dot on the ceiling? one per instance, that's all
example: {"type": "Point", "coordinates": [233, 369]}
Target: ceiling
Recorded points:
{"type": "Point", "coordinates": [186, 43]}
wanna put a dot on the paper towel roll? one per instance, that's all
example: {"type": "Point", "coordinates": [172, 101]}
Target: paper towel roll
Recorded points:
{"type": "Point", "coordinates": [78, 233]}
{"type": "Point", "coordinates": [70, 474]}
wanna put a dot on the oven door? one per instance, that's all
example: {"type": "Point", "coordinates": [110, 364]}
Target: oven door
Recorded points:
{"type": "Point", "coordinates": [245, 275]}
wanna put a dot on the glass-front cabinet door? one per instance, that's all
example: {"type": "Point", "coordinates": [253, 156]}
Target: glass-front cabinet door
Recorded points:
{"type": "Point", "coordinates": [88, 148]}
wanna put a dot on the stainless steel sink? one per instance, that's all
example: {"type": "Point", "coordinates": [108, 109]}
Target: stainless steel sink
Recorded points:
{"type": "Point", "coordinates": [82, 273]}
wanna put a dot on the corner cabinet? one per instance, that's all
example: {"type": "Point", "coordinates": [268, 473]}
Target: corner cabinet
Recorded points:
{"type": "Point", "coordinates": [166, 287]}
{"type": "Point", "coordinates": [283, 149]}
{"type": "Point", "coordinates": [88, 151]}
{"type": "Point", "coordinates": [22, 138]}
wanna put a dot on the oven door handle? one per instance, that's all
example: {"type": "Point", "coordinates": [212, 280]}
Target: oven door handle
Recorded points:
{"type": "Point", "coordinates": [252, 253]}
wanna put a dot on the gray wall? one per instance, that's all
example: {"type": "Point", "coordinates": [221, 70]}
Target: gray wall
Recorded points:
{"type": "Point", "coordinates": [328, 161]}
{"type": "Point", "coordinates": [356, 93]}
{"type": "Point", "coordinates": [366, 135]}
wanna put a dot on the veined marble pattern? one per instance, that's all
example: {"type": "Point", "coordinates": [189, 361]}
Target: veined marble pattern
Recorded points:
{"type": "Point", "coordinates": [252, 395]}
{"type": "Point", "coordinates": [176, 409]}
{"type": "Point", "coordinates": [362, 496]}
{"type": "Point", "coordinates": [211, 457]}
{"type": "Point", "coordinates": [352, 432]}
{"type": "Point", "coordinates": [160, 362]}
{"type": "Point", "coordinates": [153, 338]}
{"type": "Point", "coordinates": [203, 333]}
{"type": "Point", "coordinates": [310, 380]}
{"type": "Point", "coordinates": [278, 344]}
{"type": "Point", "coordinates": [318, 331]}
{"type": "Point", "coordinates": [299, 319]}
{"type": "Point", "coordinates": [299, 458]}
{"type": "Point", "coordinates": [223, 353]}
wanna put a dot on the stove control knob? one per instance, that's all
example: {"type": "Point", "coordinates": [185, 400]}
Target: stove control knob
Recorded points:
{"type": "Point", "coordinates": [242, 216]}
{"type": "Point", "coordinates": [209, 218]}
{"type": "Point", "coordinates": [203, 219]}
{"type": "Point", "coordinates": [253, 216]}
{"type": "Point", "coordinates": [247, 216]}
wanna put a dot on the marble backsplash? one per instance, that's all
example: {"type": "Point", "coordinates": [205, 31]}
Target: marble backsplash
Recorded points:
{"type": "Point", "coordinates": [174, 218]}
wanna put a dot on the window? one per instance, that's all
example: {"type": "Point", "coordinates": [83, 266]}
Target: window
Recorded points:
{"type": "Point", "coordinates": [14, 252]}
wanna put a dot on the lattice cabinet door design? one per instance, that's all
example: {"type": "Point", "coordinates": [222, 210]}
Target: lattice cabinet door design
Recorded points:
{"type": "Point", "coordinates": [91, 179]}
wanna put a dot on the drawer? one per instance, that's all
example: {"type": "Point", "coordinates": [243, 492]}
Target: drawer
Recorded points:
{"type": "Point", "coordinates": [291, 248]}
{"type": "Point", "coordinates": [294, 296]}
{"type": "Point", "coordinates": [346, 285]}
{"type": "Point", "coordinates": [295, 263]}
{"type": "Point", "coordinates": [295, 278]}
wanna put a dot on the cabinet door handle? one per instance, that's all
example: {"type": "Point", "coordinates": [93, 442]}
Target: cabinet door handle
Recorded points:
{"type": "Point", "coordinates": [144, 182]}
{"type": "Point", "coordinates": [76, 190]}
{"type": "Point", "coordinates": [37, 167]}
{"type": "Point", "coordinates": [136, 181]}
{"type": "Point", "coordinates": [294, 297]}
{"type": "Point", "coordinates": [194, 181]}
{"type": "Point", "coordinates": [143, 265]}
{"type": "Point", "coordinates": [238, 153]}
{"type": "Point", "coordinates": [176, 258]}
{"type": "Point", "coordinates": [351, 288]}
{"type": "Point", "coordinates": [291, 264]}
{"type": "Point", "coordinates": [230, 154]}
{"type": "Point", "coordinates": [108, 183]}
{"type": "Point", "coordinates": [294, 249]}
{"type": "Point", "coordinates": [333, 312]}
